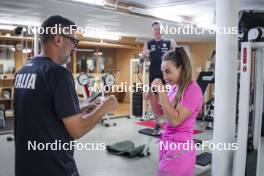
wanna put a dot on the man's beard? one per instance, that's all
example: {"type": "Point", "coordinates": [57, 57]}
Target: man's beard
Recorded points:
{"type": "Point", "coordinates": [66, 59]}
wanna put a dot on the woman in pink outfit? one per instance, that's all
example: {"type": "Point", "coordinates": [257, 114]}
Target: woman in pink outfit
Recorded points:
{"type": "Point", "coordinates": [180, 107]}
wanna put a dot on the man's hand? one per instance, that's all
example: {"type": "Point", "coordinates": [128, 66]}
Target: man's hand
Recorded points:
{"type": "Point", "coordinates": [79, 124]}
{"type": "Point", "coordinates": [146, 51]}
{"type": "Point", "coordinates": [109, 104]}
{"type": "Point", "coordinates": [173, 45]}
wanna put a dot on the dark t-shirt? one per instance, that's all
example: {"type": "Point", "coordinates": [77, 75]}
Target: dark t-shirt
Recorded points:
{"type": "Point", "coordinates": [44, 94]}
{"type": "Point", "coordinates": [157, 50]}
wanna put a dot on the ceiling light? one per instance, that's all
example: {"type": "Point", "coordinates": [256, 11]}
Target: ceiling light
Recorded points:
{"type": "Point", "coordinates": [102, 36]}
{"type": "Point", "coordinates": [26, 50]}
{"type": "Point", "coordinates": [7, 27]}
{"type": "Point", "coordinates": [163, 13]}
{"type": "Point", "coordinates": [205, 22]}
{"type": "Point", "coordinates": [6, 46]}
{"type": "Point", "coordinates": [92, 2]}
{"type": "Point", "coordinates": [167, 14]}
{"type": "Point", "coordinates": [88, 50]}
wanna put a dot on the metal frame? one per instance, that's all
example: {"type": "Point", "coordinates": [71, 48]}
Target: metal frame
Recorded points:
{"type": "Point", "coordinates": [133, 63]}
{"type": "Point", "coordinates": [245, 106]}
{"type": "Point", "coordinates": [2, 118]}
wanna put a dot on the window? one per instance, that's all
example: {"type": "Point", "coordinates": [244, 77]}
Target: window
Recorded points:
{"type": "Point", "coordinates": [7, 58]}
{"type": "Point", "coordinates": [86, 60]}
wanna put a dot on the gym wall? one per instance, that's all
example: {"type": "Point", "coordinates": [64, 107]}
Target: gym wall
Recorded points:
{"type": "Point", "coordinates": [201, 53]}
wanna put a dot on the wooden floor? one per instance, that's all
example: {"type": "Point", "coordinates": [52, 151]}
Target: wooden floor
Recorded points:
{"type": "Point", "coordinates": [123, 109]}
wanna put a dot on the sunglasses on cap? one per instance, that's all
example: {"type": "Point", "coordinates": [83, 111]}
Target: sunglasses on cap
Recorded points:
{"type": "Point", "coordinates": [73, 40]}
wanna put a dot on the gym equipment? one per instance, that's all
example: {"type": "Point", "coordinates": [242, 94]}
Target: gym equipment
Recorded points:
{"type": "Point", "coordinates": [262, 127]}
{"type": "Point", "coordinates": [251, 109]}
{"type": "Point", "coordinates": [256, 34]}
{"type": "Point", "coordinates": [248, 20]}
{"type": "Point", "coordinates": [137, 77]}
{"type": "Point", "coordinates": [156, 132]}
{"type": "Point", "coordinates": [146, 149]}
{"type": "Point", "coordinates": [106, 121]}
{"type": "Point", "coordinates": [84, 79]}
{"type": "Point", "coordinates": [6, 92]}
{"type": "Point", "coordinates": [2, 119]}
{"type": "Point", "coordinates": [6, 126]}
{"type": "Point", "coordinates": [150, 132]}
{"type": "Point", "coordinates": [204, 159]}
{"type": "Point", "coordinates": [203, 80]}
{"type": "Point", "coordinates": [211, 66]}
{"type": "Point", "coordinates": [108, 80]}
{"type": "Point", "coordinates": [137, 109]}
{"type": "Point", "coordinates": [94, 96]}
{"type": "Point", "coordinates": [197, 141]}
{"type": "Point", "coordinates": [208, 117]}
{"type": "Point", "coordinates": [138, 73]}
{"type": "Point", "coordinates": [154, 128]}
{"type": "Point", "coordinates": [101, 63]}
{"type": "Point", "coordinates": [9, 138]}
{"type": "Point", "coordinates": [128, 149]}
{"type": "Point", "coordinates": [87, 81]}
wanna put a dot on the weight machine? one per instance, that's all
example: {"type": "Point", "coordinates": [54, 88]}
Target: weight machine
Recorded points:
{"type": "Point", "coordinates": [138, 72]}
{"type": "Point", "coordinates": [251, 96]}
{"type": "Point", "coordinates": [249, 157]}
{"type": "Point", "coordinates": [88, 82]}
